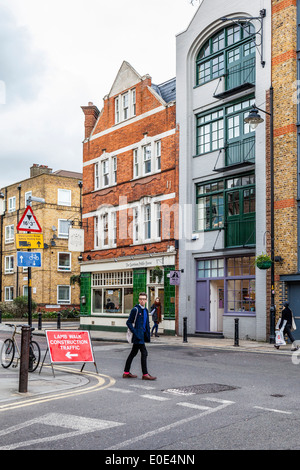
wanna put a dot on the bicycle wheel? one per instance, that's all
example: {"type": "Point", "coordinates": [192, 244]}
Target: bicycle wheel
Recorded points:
{"type": "Point", "coordinates": [35, 353]}
{"type": "Point", "coordinates": [7, 353]}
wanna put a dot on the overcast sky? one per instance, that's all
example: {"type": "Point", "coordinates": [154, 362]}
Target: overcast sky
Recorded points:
{"type": "Point", "coordinates": [58, 55]}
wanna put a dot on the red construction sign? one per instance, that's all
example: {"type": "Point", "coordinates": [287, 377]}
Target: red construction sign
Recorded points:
{"type": "Point", "coordinates": [69, 346]}
{"type": "Point", "coordinates": [28, 222]}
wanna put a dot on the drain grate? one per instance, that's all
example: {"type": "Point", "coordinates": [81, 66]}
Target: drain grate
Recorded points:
{"type": "Point", "coordinates": [200, 389]}
{"type": "Point", "coordinates": [277, 395]}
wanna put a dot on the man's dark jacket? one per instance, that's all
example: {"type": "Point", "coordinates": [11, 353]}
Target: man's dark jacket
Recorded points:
{"type": "Point", "coordinates": [137, 327]}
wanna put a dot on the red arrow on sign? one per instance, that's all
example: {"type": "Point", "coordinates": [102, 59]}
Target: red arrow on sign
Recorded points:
{"type": "Point", "coordinates": [28, 222]}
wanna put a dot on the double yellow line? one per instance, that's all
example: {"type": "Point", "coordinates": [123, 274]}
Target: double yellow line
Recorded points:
{"type": "Point", "coordinates": [102, 382]}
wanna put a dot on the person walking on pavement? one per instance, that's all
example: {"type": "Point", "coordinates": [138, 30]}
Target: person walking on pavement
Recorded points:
{"type": "Point", "coordinates": [287, 315]}
{"type": "Point", "coordinates": [156, 315]}
{"type": "Point", "coordinates": [138, 323]}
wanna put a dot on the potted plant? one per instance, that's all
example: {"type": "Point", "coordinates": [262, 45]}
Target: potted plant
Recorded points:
{"type": "Point", "coordinates": [263, 261]}
{"type": "Point", "coordinates": [158, 272]}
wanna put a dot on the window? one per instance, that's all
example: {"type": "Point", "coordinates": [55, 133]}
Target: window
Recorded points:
{"type": "Point", "coordinates": [9, 294]}
{"type": "Point", "coordinates": [9, 264]}
{"type": "Point", "coordinates": [114, 170]}
{"type": "Point", "coordinates": [96, 232]}
{"type": "Point", "coordinates": [125, 106]}
{"type": "Point", "coordinates": [225, 128]}
{"type": "Point", "coordinates": [64, 261]}
{"type": "Point", "coordinates": [63, 294]}
{"type": "Point", "coordinates": [135, 163]}
{"type": "Point", "coordinates": [11, 204]}
{"type": "Point", "coordinates": [105, 229]}
{"type": "Point", "coordinates": [133, 97]}
{"type": "Point", "coordinates": [158, 220]}
{"type": "Point", "coordinates": [218, 56]}
{"type": "Point", "coordinates": [64, 197]}
{"type": "Point", "coordinates": [210, 268]}
{"type": "Point", "coordinates": [112, 292]}
{"type": "Point", "coordinates": [158, 154]}
{"type": "Point", "coordinates": [105, 172]}
{"type": "Point", "coordinates": [240, 284]}
{"type": "Point", "coordinates": [147, 221]}
{"type": "Point", "coordinates": [210, 206]}
{"type": "Point", "coordinates": [147, 159]}
{"type": "Point", "coordinates": [117, 110]}
{"type": "Point", "coordinates": [63, 228]}
{"type": "Point", "coordinates": [228, 203]}
{"type": "Point", "coordinates": [9, 234]}
{"type": "Point", "coordinates": [97, 176]}
{"type": "Point", "coordinates": [135, 224]}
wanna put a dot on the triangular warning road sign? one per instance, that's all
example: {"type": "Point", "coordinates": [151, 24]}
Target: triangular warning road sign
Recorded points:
{"type": "Point", "coordinates": [28, 222]}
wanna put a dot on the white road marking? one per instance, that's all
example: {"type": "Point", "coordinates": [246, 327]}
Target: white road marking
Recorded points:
{"type": "Point", "coordinates": [144, 387]}
{"type": "Point", "coordinates": [167, 428]}
{"type": "Point", "coordinates": [273, 409]}
{"type": "Point", "coordinates": [155, 397]}
{"type": "Point", "coordinates": [121, 390]}
{"type": "Point", "coordinates": [193, 405]}
{"type": "Point", "coordinates": [79, 424]}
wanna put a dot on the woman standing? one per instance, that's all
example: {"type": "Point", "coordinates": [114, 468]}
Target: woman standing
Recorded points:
{"type": "Point", "coordinates": [156, 315]}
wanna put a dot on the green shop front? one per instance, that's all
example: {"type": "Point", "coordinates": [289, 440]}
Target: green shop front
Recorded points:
{"type": "Point", "coordinates": [110, 289]}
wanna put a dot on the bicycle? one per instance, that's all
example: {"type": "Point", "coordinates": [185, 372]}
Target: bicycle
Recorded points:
{"type": "Point", "coordinates": [10, 346]}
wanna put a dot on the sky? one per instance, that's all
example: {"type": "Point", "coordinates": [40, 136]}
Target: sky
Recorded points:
{"type": "Point", "coordinates": [56, 56]}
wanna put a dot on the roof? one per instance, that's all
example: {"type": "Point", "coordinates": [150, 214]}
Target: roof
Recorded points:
{"type": "Point", "coordinates": [166, 90]}
{"type": "Point", "coordinates": [70, 174]}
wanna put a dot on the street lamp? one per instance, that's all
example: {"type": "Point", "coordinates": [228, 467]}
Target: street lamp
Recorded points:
{"type": "Point", "coordinates": [253, 119]}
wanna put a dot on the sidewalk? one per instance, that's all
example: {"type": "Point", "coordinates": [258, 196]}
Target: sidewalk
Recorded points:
{"type": "Point", "coordinates": [45, 383]}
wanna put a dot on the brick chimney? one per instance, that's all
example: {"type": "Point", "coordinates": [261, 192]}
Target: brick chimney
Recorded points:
{"type": "Point", "coordinates": [91, 113]}
{"type": "Point", "coordinates": [37, 169]}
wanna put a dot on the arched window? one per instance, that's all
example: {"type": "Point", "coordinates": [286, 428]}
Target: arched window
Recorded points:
{"type": "Point", "coordinates": [230, 53]}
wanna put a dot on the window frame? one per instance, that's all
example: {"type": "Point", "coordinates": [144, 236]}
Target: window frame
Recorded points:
{"type": "Point", "coordinates": [63, 302]}
{"type": "Point", "coordinates": [61, 267]}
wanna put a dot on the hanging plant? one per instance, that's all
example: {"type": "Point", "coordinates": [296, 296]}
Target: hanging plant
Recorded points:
{"type": "Point", "coordinates": [158, 272]}
{"type": "Point", "coordinates": [75, 279]}
{"type": "Point", "coordinates": [263, 261]}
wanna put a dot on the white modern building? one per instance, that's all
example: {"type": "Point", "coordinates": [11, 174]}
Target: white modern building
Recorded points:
{"type": "Point", "coordinates": [223, 68]}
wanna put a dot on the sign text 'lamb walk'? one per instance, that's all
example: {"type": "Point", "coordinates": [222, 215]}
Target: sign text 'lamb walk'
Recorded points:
{"type": "Point", "coordinates": [69, 346]}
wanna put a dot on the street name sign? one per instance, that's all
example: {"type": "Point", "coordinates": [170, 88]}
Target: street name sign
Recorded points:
{"type": "Point", "coordinates": [28, 259]}
{"type": "Point", "coordinates": [69, 346]}
{"type": "Point", "coordinates": [28, 222]}
{"type": "Point", "coordinates": [29, 241]}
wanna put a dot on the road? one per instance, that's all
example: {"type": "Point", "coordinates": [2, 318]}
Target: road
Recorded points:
{"type": "Point", "coordinates": [203, 399]}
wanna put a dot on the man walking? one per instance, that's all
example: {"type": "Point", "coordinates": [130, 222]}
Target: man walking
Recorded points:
{"type": "Point", "coordinates": [138, 323]}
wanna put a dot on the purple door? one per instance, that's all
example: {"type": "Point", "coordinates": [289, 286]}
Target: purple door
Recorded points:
{"type": "Point", "coordinates": [202, 306]}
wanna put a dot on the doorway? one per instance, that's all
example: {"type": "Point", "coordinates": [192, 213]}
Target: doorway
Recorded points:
{"type": "Point", "coordinates": [209, 306]}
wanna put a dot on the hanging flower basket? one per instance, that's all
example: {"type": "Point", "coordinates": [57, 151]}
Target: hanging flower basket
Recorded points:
{"type": "Point", "coordinates": [263, 261]}
{"type": "Point", "coordinates": [157, 272]}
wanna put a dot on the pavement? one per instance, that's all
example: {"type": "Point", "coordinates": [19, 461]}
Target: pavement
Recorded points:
{"type": "Point", "coordinates": [61, 379]}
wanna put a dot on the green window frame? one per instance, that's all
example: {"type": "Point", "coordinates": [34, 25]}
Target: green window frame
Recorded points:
{"type": "Point", "coordinates": [225, 128]}
{"type": "Point", "coordinates": [229, 52]}
{"type": "Point", "coordinates": [227, 203]}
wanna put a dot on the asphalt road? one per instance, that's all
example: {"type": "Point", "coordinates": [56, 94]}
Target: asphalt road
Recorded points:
{"type": "Point", "coordinates": [203, 399]}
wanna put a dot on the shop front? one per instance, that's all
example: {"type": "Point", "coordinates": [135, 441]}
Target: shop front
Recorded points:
{"type": "Point", "coordinates": [225, 288]}
{"type": "Point", "coordinates": [109, 290]}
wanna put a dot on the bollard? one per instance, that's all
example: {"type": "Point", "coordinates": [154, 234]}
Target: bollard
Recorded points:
{"type": "Point", "coordinates": [236, 332]}
{"type": "Point", "coordinates": [24, 359]}
{"type": "Point", "coordinates": [185, 330]}
{"type": "Point", "coordinates": [39, 321]}
{"type": "Point", "coordinates": [58, 321]}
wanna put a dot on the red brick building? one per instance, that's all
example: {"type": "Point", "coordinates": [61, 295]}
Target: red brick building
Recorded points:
{"type": "Point", "coordinates": [130, 201]}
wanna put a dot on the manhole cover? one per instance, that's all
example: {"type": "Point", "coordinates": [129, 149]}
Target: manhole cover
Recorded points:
{"type": "Point", "coordinates": [199, 389]}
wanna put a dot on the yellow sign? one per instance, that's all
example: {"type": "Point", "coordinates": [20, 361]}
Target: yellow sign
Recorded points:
{"type": "Point", "coordinates": [27, 241]}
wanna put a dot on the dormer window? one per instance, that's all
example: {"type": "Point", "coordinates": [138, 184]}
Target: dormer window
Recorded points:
{"type": "Point", "coordinates": [125, 106]}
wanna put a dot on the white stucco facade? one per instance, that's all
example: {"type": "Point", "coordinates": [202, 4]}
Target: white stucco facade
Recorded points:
{"type": "Point", "coordinates": [191, 101]}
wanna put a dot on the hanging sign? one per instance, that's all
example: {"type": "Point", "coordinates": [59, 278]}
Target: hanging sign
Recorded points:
{"type": "Point", "coordinates": [28, 222]}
